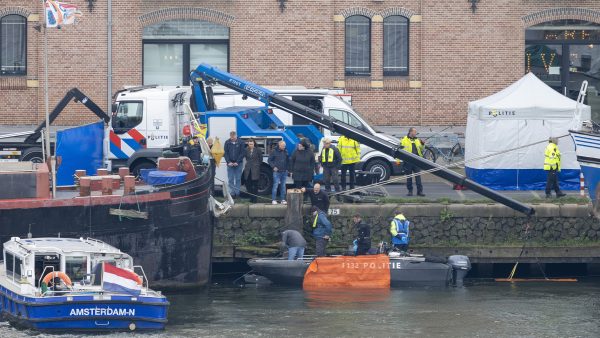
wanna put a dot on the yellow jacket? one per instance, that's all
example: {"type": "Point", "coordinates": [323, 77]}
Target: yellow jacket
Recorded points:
{"type": "Point", "coordinates": [552, 157]}
{"type": "Point", "coordinates": [349, 149]}
{"type": "Point", "coordinates": [407, 143]}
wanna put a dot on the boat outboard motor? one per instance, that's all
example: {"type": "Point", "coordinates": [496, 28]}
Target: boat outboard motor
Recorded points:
{"type": "Point", "coordinates": [460, 267]}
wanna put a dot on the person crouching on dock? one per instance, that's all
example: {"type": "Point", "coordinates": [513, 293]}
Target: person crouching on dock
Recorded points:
{"type": "Point", "coordinates": [321, 230]}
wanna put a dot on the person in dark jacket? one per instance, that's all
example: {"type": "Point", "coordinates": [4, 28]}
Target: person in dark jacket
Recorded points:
{"type": "Point", "coordinates": [234, 156]}
{"type": "Point", "coordinates": [322, 230]}
{"type": "Point", "coordinates": [331, 161]}
{"type": "Point", "coordinates": [302, 165]}
{"type": "Point", "coordinates": [363, 238]}
{"type": "Point", "coordinates": [318, 197]}
{"type": "Point", "coordinates": [279, 161]}
{"type": "Point", "coordinates": [294, 242]}
{"type": "Point", "coordinates": [254, 157]}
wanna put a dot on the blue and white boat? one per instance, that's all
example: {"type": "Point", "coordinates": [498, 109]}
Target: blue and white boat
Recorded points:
{"type": "Point", "coordinates": [587, 149]}
{"type": "Point", "coordinates": [62, 284]}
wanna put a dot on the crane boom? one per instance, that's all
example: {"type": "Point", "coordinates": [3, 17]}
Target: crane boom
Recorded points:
{"type": "Point", "coordinates": [210, 75]}
{"type": "Point", "coordinates": [73, 94]}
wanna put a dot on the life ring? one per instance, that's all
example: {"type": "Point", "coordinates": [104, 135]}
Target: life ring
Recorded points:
{"type": "Point", "coordinates": [57, 274]}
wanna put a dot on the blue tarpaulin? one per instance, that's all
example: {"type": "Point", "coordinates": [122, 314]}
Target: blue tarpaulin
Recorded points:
{"type": "Point", "coordinates": [522, 179]}
{"type": "Point", "coordinates": [160, 177]}
{"type": "Point", "coordinates": [145, 172]}
{"type": "Point", "coordinates": [80, 149]}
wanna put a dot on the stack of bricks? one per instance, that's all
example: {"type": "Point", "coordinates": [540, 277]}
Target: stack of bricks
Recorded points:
{"type": "Point", "coordinates": [105, 183]}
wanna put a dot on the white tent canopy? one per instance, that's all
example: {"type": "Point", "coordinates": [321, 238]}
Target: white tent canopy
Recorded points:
{"type": "Point", "coordinates": [523, 113]}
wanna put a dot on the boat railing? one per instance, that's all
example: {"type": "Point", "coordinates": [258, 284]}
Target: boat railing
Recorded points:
{"type": "Point", "coordinates": [89, 239]}
{"type": "Point", "coordinates": [144, 278]}
{"type": "Point", "coordinates": [50, 293]}
{"type": "Point", "coordinates": [49, 267]}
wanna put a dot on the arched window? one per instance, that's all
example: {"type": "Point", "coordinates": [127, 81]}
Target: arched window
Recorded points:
{"type": "Point", "coordinates": [173, 48]}
{"type": "Point", "coordinates": [358, 45]}
{"type": "Point", "coordinates": [395, 45]}
{"type": "Point", "coordinates": [13, 45]}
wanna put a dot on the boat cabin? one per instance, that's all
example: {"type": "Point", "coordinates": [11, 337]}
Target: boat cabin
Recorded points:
{"type": "Point", "coordinates": [28, 261]}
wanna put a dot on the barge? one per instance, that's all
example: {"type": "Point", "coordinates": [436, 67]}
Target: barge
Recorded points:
{"type": "Point", "coordinates": [166, 228]}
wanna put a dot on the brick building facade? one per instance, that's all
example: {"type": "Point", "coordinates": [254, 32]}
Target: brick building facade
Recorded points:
{"type": "Point", "coordinates": [453, 54]}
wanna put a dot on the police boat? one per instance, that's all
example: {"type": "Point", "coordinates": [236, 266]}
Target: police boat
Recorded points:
{"type": "Point", "coordinates": [60, 284]}
{"type": "Point", "coordinates": [394, 270]}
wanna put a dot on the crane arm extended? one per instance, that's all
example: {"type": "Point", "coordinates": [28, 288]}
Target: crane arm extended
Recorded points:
{"type": "Point", "coordinates": [73, 94]}
{"type": "Point", "coordinates": [210, 75]}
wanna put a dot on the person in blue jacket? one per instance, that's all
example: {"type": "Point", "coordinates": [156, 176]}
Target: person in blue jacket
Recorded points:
{"type": "Point", "coordinates": [399, 230]}
{"type": "Point", "coordinates": [322, 230]}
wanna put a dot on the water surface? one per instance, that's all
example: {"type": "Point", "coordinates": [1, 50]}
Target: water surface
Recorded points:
{"type": "Point", "coordinates": [477, 310]}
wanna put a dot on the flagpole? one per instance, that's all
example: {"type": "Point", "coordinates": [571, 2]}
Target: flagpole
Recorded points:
{"type": "Point", "coordinates": [47, 133]}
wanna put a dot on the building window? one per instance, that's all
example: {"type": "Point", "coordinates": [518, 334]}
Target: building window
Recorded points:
{"type": "Point", "coordinates": [395, 45]}
{"type": "Point", "coordinates": [13, 45]}
{"type": "Point", "coordinates": [563, 54]}
{"type": "Point", "coordinates": [172, 49]}
{"type": "Point", "coordinates": [358, 45]}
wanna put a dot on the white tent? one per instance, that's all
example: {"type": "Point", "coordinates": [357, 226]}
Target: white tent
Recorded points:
{"type": "Point", "coordinates": [523, 113]}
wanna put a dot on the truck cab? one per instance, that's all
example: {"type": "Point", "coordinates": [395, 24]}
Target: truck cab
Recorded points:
{"type": "Point", "coordinates": [332, 103]}
{"type": "Point", "coordinates": [144, 122]}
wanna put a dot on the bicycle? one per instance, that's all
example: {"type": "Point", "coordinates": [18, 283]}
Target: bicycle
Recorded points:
{"type": "Point", "coordinates": [443, 146]}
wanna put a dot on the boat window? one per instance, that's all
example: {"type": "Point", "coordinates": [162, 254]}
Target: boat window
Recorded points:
{"type": "Point", "coordinates": [9, 263]}
{"type": "Point", "coordinates": [18, 263]}
{"type": "Point", "coordinates": [45, 263]}
{"type": "Point", "coordinates": [76, 267]}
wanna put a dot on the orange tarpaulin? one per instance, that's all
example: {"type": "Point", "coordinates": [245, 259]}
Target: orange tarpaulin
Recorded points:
{"type": "Point", "coordinates": [368, 272]}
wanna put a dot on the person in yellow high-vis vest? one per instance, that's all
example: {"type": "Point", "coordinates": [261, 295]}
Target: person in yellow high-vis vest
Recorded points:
{"type": "Point", "coordinates": [330, 159]}
{"type": "Point", "coordinates": [412, 144]}
{"type": "Point", "coordinates": [350, 151]}
{"type": "Point", "coordinates": [552, 167]}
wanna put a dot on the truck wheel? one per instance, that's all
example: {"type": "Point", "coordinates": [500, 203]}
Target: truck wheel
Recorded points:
{"type": "Point", "coordinates": [33, 154]}
{"type": "Point", "coordinates": [381, 167]}
{"type": "Point", "coordinates": [135, 170]}
{"type": "Point", "coordinates": [265, 182]}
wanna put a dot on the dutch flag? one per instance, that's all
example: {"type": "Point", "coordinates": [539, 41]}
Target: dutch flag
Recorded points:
{"type": "Point", "coordinates": [120, 280]}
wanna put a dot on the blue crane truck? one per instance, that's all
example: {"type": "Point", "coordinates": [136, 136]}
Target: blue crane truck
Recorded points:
{"type": "Point", "coordinates": [204, 76]}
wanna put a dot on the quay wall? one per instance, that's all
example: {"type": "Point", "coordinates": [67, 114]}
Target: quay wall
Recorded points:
{"type": "Point", "coordinates": [447, 225]}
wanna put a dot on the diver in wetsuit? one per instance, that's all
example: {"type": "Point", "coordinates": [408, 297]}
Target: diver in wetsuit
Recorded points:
{"type": "Point", "coordinates": [363, 239]}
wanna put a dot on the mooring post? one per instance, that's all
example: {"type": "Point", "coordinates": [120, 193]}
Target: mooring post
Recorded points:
{"type": "Point", "coordinates": [293, 214]}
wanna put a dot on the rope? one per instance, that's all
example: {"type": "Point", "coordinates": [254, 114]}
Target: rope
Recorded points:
{"type": "Point", "coordinates": [246, 192]}
{"type": "Point", "coordinates": [404, 177]}
{"type": "Point", "coordinates": [527, 238]}
{"type": "Point", "coordinates": [514, 269]}
{"type": "Point", "coordinates": [440, 167]}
